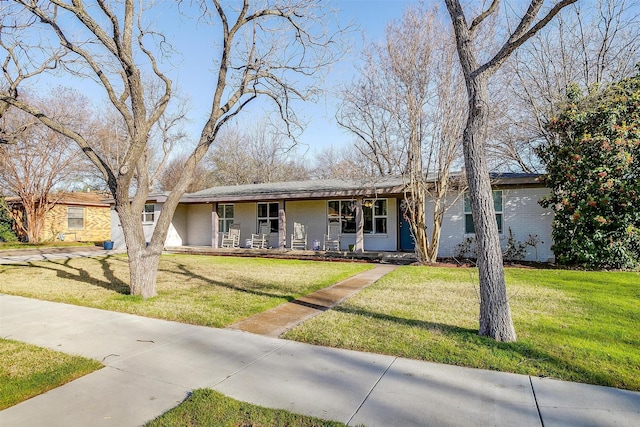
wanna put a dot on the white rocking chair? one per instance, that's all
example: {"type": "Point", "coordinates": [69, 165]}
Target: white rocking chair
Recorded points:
{"type": "Point", "coordinates": [299, 236]}
{"type": "Point", "coordinates": [231, 239]}
{"type": "Point", "coordinates": [261, 240]}
{"type": "Point", "coordinates": [332, 238]}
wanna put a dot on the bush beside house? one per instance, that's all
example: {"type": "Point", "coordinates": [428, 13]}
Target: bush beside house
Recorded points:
{"type": "Point", "coordinates": [594, 173]}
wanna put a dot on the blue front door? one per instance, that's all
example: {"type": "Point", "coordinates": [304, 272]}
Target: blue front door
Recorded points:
{"type": "Point", "coordinates": [406, 238]}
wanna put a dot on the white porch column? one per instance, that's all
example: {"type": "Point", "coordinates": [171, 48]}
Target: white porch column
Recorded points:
{"type": "Point", "coordinates": [282, 225]}
{"type": "Point", "coordinates": [214, 225]}
{"type": "Point", "coordinates": [359, 226]}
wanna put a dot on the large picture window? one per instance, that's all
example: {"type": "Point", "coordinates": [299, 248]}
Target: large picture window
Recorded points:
{"type": "Point", "coordinates": [468, 218]}
{"type": "Point", "coordinates": [75, 218]}
{"type": "Point", "coordinates": [344, 212]}
{"type": "Point", "coordinates": [268, 213]}
{"type": "Point", "coordinates": [148, 213]}
{"type": "Point", "coordinates": [225, 217]}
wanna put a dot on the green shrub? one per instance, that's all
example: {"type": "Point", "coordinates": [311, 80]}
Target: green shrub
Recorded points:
{"type": "Point", "coordinates": [593, 170]}
{"type": "Point", "coordinates": [6, 224]}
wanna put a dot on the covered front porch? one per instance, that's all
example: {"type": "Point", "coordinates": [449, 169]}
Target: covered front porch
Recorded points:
{"type": "Point", "coordinates": [368, 220]}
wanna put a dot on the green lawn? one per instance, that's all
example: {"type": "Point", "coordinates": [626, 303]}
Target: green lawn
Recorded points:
{"type": "Point", "coordinates": [56, 244]}
{"type": "Point", "coordinates": [572, 325]}
{"type": "Point", "coordinates": [210, 408]}
{"type": "Point", "coordinates": [202, 290]}
{"type": "Point", "coordinates": [27, 370]}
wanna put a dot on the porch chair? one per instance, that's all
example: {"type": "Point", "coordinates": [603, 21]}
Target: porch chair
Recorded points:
{"type": "Point", "coordinates": [332, 238]}
{"type": "Point", "coordinates": [299, 236]}
{"type": "Point", "coordinates": [261, 239]}
{"type": "Point", "coordinates": [231, 239]}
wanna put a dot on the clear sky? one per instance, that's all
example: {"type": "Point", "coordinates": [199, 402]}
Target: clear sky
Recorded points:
{"type": "Point", "coordinates": [193, 77]}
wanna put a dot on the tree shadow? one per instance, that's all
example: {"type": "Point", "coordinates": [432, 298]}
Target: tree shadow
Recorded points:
{"type": "Point", "coordinates": [526, 350]}
{"type": "Point", "coordinates": [184, 270]}
{"type": "Point", "coordinates": [111, 282]}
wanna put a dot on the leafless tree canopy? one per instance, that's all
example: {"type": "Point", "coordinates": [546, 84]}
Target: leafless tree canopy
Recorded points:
{"type": "Point", "coordinates": [40, 163]}
{"type": "Point", "coordinates": [271, 50]}
{"type": "Point", "coordinates": [344, 162]}
{"type": "Point", "coordinates": [255, 153]}
{"type": "Point", "coordinates": [407, 110]}
{"type": "Point", "coordinates": [591, 43]}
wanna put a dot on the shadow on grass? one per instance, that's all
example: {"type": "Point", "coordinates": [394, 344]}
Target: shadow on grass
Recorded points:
{"type": "Point", "coordinates": [529, 358]}
{"type": "Point", "coordinates": [111, 282]}
{"type": "Point", "coordinates": [184, 271]}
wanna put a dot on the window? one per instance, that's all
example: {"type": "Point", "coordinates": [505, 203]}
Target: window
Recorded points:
{"type": "Point", "coordinates": [148, 214]}
{"type": "Point", "coordinates": [468, 218]}
{"type": "Point", "coordinates": [75, 218]}
{"type": "Point", "coordinates": [374, 214]}
{"type": "Point", "coordinates": [268, 213]}
{"type": "Point", "coordinates": [225, 217]}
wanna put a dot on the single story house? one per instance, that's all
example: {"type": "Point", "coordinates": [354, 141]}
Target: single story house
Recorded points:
{"type": "Point", "coordinates": [202, 217]}
{"type": "Point", "coordinates": [75, 217]}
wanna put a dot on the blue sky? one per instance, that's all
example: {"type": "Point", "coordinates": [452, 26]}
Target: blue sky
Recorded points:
{"type": "Point", "coordinates": [193, 77]}
{"type": "Point", "coordinates": [190, 70]}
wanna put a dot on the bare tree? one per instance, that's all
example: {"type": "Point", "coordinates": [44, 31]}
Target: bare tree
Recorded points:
{"type": "Point", "coordinates": [257, 154]}
{"type": "Point", "coordinates": [407, 111]}
{"type": "Point", "coordinates": [592, 43]}
{"type": "Point", "coordinates": [172, 170]}
{"type": "Point", "coordinates": [266, 50]}
{"type": "Point", "coordinates": [344, 162]}
{"type": "Point", "coordinates": [39, 162]}
{"type": "Point", "coordinates": [495, 314]}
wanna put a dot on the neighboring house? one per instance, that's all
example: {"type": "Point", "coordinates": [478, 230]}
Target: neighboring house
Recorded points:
{"type": "Point", "coordinates": [80, 217]}
{"type": "Point", "coordinates": [202, 217]}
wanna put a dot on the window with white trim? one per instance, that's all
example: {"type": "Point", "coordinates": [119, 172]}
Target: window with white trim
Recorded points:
{"type": "Point", "coordinates": [148, 213]}
{"type": "Point", "coordinates": [268, 213]}
{"type": "Point", "coordinates": [75, 217]}
{"type": "Point", "coordinates": [374, 212]}
{"type": "Point", "coordinates": [468, 217]}
{"type": "Point", "coordinates": [225, 217]}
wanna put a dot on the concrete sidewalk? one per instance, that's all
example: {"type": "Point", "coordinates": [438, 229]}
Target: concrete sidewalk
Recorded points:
{"type": "Point", "coordinates": [46, 254]}
{"type": "Point", "coordinates": [151, 365]}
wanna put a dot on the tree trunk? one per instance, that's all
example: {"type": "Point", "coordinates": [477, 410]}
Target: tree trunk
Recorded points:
{"type": "Point", "coordinates": [495, 315]}
{"type": "Point", "coordinates": [143, 271]}
{"type": "Point", "coordinates": [143, 259]}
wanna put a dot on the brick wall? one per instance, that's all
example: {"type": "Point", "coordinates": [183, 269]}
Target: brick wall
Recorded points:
{"type": "Point", "coordinates": [97, 224]}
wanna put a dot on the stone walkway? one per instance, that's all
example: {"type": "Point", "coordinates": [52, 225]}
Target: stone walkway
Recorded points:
{"type": "Point", "coordinates": [278, 320]}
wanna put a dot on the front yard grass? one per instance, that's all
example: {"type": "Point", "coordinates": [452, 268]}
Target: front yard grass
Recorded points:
{"type": "Point", "coordinates": [571, 325]}
{"type": "Point", "coordinates": [202, 290]}
{"type": "Point", "coordinates": [43, 245]}
{"type": "Point", "coordinates": [209, 408]}
{"type": "Point", "coordinates": [27, 370]}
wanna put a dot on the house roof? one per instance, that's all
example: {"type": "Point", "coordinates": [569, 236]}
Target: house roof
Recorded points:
{"type": "Point", "coordinates": [73, 198]}
{"type": "Point", "coordinates": [312, 189]}
{"type": "Point", "coordinates": [323, 189]}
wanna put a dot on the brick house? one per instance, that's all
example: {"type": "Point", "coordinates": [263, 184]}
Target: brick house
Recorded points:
{"type": "Point", "coordinates": [80, 217]}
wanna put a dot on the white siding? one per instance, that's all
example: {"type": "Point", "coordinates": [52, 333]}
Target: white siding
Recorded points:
{"type": "Point", "coordinates": [199, 225]}
{"type": "Point", "coordinates": [524, 215]}
{"type": "Point", "coordinates": [177, 234]}
{"type": "Point", "coordinates": [313, 214]}
{"type": "Point", "coordinates": [116, 228]}
{"type": "Point", "coordinates": [149, 227]}
{"type": "Point", "coordinates": [116, 231]}
{"type": "Point", "coordinates": [246, 214]}
{"type": "Point", "coordinates": [521, 213]}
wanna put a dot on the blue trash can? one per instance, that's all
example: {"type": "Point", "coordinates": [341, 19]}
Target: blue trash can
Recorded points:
{"type": "Point", "coordinates": [108, 245]}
